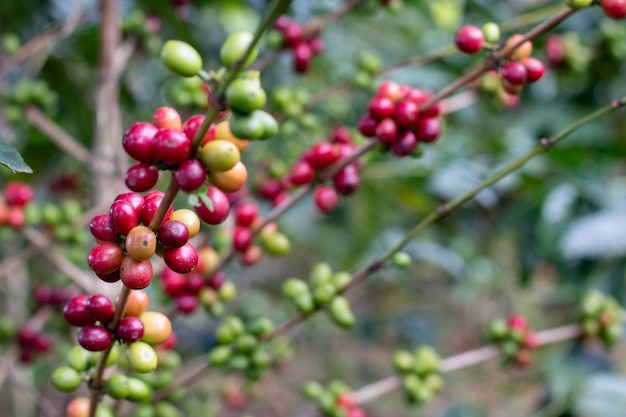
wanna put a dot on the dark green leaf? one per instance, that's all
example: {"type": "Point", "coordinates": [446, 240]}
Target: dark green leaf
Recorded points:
{"type": "Point", "coordinates": [10, 157]}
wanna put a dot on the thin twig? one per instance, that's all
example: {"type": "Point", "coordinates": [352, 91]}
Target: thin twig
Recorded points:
{"type": "Point", "coordinates": [41, 41]}
{"type": "Point", "coordinates": [50, 252]}
{"type": "Point", "coordinates": [57, 134]}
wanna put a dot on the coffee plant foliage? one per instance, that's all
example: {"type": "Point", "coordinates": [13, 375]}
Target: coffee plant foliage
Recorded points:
{"type": "Point", "coordinates": [531, 244]}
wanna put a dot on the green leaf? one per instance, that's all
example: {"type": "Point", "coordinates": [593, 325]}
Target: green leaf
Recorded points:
{"type": "Point", "coordinates": [10, 157]}
{"type": "Point", "coordinates": [207, 201]}
{"type": "Point", "coordinates": [193, 200]}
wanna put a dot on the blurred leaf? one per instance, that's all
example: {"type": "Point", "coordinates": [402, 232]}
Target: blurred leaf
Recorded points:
{"type": "Point", "coordinates": [596, 236]}
{"type": "Point", "coordinates": [604, 395]}
{"type": "Point", "coordinates": [12, 159]}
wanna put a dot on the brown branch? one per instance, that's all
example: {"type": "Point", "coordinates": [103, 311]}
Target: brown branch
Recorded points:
{"type": "Point", "coordinates": [50, 252]}
{"type": "Point", "coordinates": [314, 27]}
{"type": "Point", "coordinates": [465, 360]}
{"type": "Point", "coordinates": [41, 41]}
{"type": "Point", "coordinates": [56, 134]}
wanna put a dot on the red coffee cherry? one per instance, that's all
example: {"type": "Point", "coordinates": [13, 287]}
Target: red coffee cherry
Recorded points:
{"type": "Point", "coordinates": [367, 126]}
{"type": "Point", "coordinates": [76, 312]}
{"type": "Point", "coordinates": [615, 9]}
{"type": "Point", "coordinates": [245, 213]}
{"type": "Point", "coordinates": [514, 72]}
{"type": "Point", "coordinates": [18, 193]}
{"type": "Point", "coordinates": [322, 155]}
{"type": "Point", "coordinates": [469, 39]}
{"type": "Point", "coordinates": [301, 173]}
{"type": "Point", "coordinates": [391, 90]}
{"type": "Point", "coordinates": [190, 175]}
{"type": "Point", "coordinates": [150, 205]}
{"type": "Point", "coordinates": [428, 129]}
{"type": "Point", "coordinates": [181, 260]}
{"type": "Point", "coordinates": [100, 308]}
{"type": "Point", "coordinates": [130, 329]}
{"type": "Point", "coordinates": [171, 146]}
{"type": "Point", "coordinates": [302, 56]}
{"type": "Point", "coordinates": [135, 199]}
{"type": "Point", "coordinates": [167, 118]}
{"type": "Point", "coordinates": [123, 216]}
{"type": "Point", "coordinates": [407, 112]}
{"type": "Point", "coordinates": [534, 69]}
{"type": "Point", "coordinates": [242, 239]}
{"type": "Point", "coordinates": [186, 303]}
{"type": "Point", "coordinates": [137, 141]}
{"type": "Point", "coordinates": [387, 131]}
{"type": "Point", "coordinates": [135, 274]}
{"type": "Point", "coordinates": [405, 145]}
{"type": "Point", "coordinates": [173, 234]}
{"type": "Point", "coordinates": [172, 282]}
{"type": "Point", "coordinates": [347, 180]}
{"type": "Point", "coordinates": [105, 258]}
{"type": "Point", "coordinates": [381, 107]}
{"type": "Point", "coordinates": [94, 338]}
{"type": "Point", "coordinates": [220, 210]}
{"type": "Point", "coordinates": [141, 177]}
{"type": "Point", "coordinates": [326, 199]}
{"type": "Point", "coordinates": [101, 228]}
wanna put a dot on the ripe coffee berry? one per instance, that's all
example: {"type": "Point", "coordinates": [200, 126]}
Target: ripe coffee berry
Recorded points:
{"type": "Point", "coordinates": [76, 312]}
{"type": "Point", "coordinates": [428, 129]}
{"type": "Point", "coordinates": [514, 72]}
{"type": "Point", "coordinates": [94, 338]}
{"type": "Point", "coordinates": [534, 69]}
{"type": "Point", "coordinates": [101, 228]}
{"type": "Point", "coordinates": [141, 177]}
{"type": "Point", "coordinates": [387, 131]}
{"type": "Point", "coordinates": [182, 260]}
{"type": "Point", "coordinates": [242, 239]}
{"type": "Point", "coordinates": [220, 210]}
{"type": "Point", "coordinates": [469, 39]}
{"type": "Point", "coordinates": [615, 9]}
{"type": "Point", "coordinates": [171, 146]}
{"type": "Point", "coordinates": [245, 213]}
{"type": "Point", "coordinates": [136, 274]}
{"type": "Point", "coordinates": [326, 199]}
{"type": "Point", "coordinates": [381, 107]}
{"type": "Point", "coordinates": [105, 258]}
{"type": "Point", "coordinates": [140, 243]}
{"type": "Point", "coordinates": [130, 329]}
{"type": "Point", "coordinates": [173, 234]}
{"type": "Point", "coordinates": [190, 175]}
{"type": "Point", "coordinates": [123, 216]}
{"type": "Point", "coordinates": [137, 141]}
{"type": "Point", "coordinates": [301, 173]}
{"type": "Point", "coordinates": [100, 308]}
{"type": "Point", "coordinates": [167, 118]}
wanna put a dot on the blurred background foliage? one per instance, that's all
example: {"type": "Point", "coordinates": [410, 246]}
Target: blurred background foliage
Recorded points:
{"type": "Point", "coordinates": [531, 244]}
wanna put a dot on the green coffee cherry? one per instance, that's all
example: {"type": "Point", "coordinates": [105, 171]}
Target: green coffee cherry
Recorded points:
{"type": "Point", "coordinates": [138, 391]}
{"type": "Point", "coordinates": [227, 291]}
{"type": "Point", "coordinates": [341, 278]}
{"type": "Point", "coordinates": [294, 287]}
{"type": "Point", "coordinates": [368, 62]}
{"type": "Point", "coordinates": [66, 379]}
{"type": "Point", "coordinates": [260, 357]}
{"type": "Point", "coordinates": [165, 409]}
{"type": "Point", "coordinates": [362, 80]}
{"type": "Point", "coordinates": [434, 382]}
{"type": "Point", "coordinates": [339, 310]}
{"type": "Point", "coordinates": [275, 244]}
{"type": "Point", "coordinates": [11, 43]}
{"type": "Point", "coordinates": [305, 303]}
{"type": "Point", "coordinates": [313, 390]}
{"type": "Point", "coordinates": [177, 395]}
{"type": "Point", "coordinates": [401, 260]}
{"type": "Point", "coordinates": [426, 360]}
{"type": "Point", "coordinates": [104, 410]}
{"type": "Point", "coordinates": [498, 330]}
{"type": "Point", "coordinates": [236, 324]}
{"type": "Point", "coordinates": [162, 379]}
{"type": "Point", "coordinates": [245, 343]}
{"type": "Point", "coordinates": [225, 335]}
{"type": "Point", "coordinates": [181, 58]}
{"type": "Point", "coordinates": [612, 334]}
{"type": "Point", "coordinates": [117, 386]}
{"type": "Point", "coordinates": [403, 361]}
{"type": "Point", "coordinates": [142, 357]}
{"type": "Point", "coordinates": [244, 95]}
{"type": "Point", "coordinates": [144, 410]}
{"type": "Point", "coordinates": [323, 293]}
{"type": "Point", "coordinates": [239, 362]}
{"type": "Point", "coordinates": [249, 126]}
{"type": "Point", "coordinates": [219, 355]}
{"type": "Point", "coordinates": [321, 273]}
{"type": "Point", "coordinates": [8, 328]}
{"type": "Point", "coordinates": [491, 31]}
{"type": "Point", "coordinates": [578, 4]}
{"type": "Point", "coordinates": [79, 358]}
{"type": "Point", "coordinates": [235, 46]}
{"type": "Point", "coordinates": [260, 326]}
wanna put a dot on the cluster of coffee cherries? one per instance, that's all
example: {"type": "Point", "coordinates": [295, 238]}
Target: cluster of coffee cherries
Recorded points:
{"type": "Point", "coordinates": [16, 195]}
{"type": "Point", "coordinates": [335, 399]}
{"type": "Point", "coordinates": [515, 338]}
{"type": "Point", "coordinates": [321, 291]}
{"type": "Point", "coordinates": [167, 143]}
{"type": "Point", "coordinates": [251, 245]}
{"type": "Point", "coordinates": [311, 164]}
{"type": "Point", "coordinates": [31, 342]}
{"type": "Point", "coordinates": [420, 371]}
{"type": "Point", "coordinates": [189, 92]}
{"type": "Point", "coordinates": [602, 317]}
{"type": "Point", "coordinates": [193, 289]}
{"type": "Point", "coordinates": [368, 65]}
{"type": "Point", "coordinates": [240, 346]}
{"type": "Point", "coordinates": [303, 46]}
{"type": "Point", "coordinates": [520, 70]}
{"type": "Point", "coordinates": [395, 119]}
{"type": "Point", "coordinates": [125, 243]}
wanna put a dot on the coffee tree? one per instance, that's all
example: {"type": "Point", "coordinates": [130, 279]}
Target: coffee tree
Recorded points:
{"type": "Point", "coordinates": [341, 208]}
